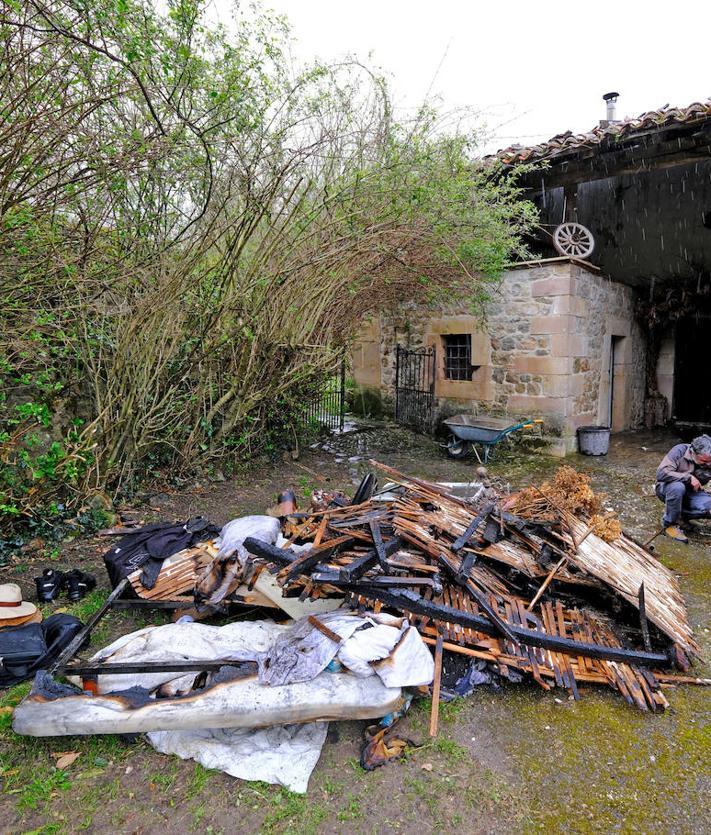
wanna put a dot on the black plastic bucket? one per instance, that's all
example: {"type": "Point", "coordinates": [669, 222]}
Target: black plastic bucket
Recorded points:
{"type": "Point", "coordinates": [594, 440]}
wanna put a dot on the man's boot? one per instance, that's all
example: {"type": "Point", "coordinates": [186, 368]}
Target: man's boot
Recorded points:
{"type": "Point", "coordinates": [49, 585]}
{"type": "Point", "coordinates": [676, 533]}
{"type": "Point", "coordinates": [79, 584]}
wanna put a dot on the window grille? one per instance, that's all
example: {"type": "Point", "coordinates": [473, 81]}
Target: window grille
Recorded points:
{"type": "Point", "coordinates": [458, 356]}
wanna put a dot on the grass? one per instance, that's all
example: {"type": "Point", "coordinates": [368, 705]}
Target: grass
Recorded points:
{"type": "Point", "coordinates": [351, 811]}
{"type": "Point", "coordinates": [198, 780]}
{"type": "Point", "coordinates": [164, 779]}
{"type": "Point", "coordinates": [41, 789]}
{"type": "Point", "coordinates": [292, 814]}
{"type": "Point", "coordinates": [452, 751]}
{"type": "Point", "coordinates": [306, 486]}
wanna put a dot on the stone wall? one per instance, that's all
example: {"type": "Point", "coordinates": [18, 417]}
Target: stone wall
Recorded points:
{"type": "Point", "coordinates": [551, 333]}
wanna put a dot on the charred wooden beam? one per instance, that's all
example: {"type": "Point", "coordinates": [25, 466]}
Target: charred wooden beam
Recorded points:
{"type": "Point", "coordinates": [311, 558]}
{"type": "Point", "coordinates": [377, 535]}
{"type": "Point", "coordinates": [643, 625]}
{"type": "Point", "coordinates": [461, 541]}
{"type": "Point", "coordinates": [75, 644]}
{"type": "Point", "coordinates": [359, 566]}
{"type": "Point", "coordinates": [86, 670]}
{"type": "Point", "coordinates": [502, 628]}
{"type": "Point", "coordinates": [383, 581]}
{"type": "Point", "coordinates": [366, 488]}
{"type": "Point", "coordinates": [267, 551]}
{"type": "Point", "coordinates": [410, 602]}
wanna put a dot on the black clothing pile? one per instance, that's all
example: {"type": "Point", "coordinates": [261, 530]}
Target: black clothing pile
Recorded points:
{"type": "Point", "coordinates": [150, 545]}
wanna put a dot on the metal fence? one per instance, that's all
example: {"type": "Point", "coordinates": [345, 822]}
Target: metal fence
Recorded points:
{"type": "Point", "coordinates": [327, 406]}
{"type": "Point", "coordinates": [414, 387]}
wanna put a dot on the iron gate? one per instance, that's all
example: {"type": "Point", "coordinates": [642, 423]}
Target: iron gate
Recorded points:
{"type": "Point", "coordinates": [327, 405]}
{"type": "Point", "coordinates": [414, 387]}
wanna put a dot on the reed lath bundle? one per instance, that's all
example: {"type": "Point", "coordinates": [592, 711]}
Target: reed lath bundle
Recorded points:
{"type": "Point", "coordinates": [178, 573]}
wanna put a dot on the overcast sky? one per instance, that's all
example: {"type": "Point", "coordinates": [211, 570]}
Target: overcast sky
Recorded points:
{"type": "Point", "coordinates": [532, 69]}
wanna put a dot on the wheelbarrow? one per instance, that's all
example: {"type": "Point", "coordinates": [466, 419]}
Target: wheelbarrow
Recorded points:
{"type": "Point", "coordinates": [469, 431]}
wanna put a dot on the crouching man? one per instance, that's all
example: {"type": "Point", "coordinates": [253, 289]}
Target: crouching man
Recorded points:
{"type": "Point", "coordinates": [681, 475]}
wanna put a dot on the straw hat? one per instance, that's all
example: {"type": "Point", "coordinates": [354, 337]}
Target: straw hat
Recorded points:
{"type": "Point", "coordinates": [12, 605]}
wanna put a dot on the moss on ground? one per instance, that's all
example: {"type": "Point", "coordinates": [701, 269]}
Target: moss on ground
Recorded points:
{"type": "Point", "coordinates": [508, 761]}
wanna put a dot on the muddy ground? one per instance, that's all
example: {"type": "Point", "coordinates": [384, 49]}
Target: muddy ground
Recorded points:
{"type": "Point", "coordinates": [506, 760]}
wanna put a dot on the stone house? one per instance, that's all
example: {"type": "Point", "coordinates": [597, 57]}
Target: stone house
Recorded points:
{"type": "Point", "coordinates": [569, 337]}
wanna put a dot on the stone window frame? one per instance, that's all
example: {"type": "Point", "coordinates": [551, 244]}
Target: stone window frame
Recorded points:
{"type": "Point", "coordinates": [480, 387]}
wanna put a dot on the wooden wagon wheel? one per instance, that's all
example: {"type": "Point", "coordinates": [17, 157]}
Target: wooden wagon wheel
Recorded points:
{"type": "Point", "coordinates": [573, 239]}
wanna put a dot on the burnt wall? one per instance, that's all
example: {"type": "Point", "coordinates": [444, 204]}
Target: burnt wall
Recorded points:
{"type": "Point", "coordinates": [652, 224]}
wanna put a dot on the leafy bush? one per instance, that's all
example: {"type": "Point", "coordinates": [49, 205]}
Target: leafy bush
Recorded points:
{"type": "Point", "coordinates": [191, 232]}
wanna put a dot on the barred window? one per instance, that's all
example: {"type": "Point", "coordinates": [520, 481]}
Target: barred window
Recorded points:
{"type": "Point", "coordinates": [458, 356]}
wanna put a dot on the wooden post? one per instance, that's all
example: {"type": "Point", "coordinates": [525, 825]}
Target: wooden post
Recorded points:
{"type": "Point", "coordinates": [436, 683]}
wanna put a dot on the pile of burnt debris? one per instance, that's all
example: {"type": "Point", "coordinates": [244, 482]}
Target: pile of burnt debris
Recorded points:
{"type": "Point", "coordinates": [540, 585]}
{"type": "Point", "coordinates": [521, 583]}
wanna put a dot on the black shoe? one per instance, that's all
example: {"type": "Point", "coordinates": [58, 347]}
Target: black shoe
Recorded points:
{"type": "Point", "coordinates": [49, 585]}
{"type": "Point", "coordinates": [79, 584]}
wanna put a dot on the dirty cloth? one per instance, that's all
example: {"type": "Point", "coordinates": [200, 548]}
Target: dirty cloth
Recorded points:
{"type": "Point", "coordinates": [226, 571]}
{"type": "Point", "coordinates": [681, 500]}
{"type": "Point", "coordinates": [377, 644]}
{"type": "Point", "coordinates": [283, 755]}
{"type": "Point", "coordinates": [410, 663]}
{"type": "Point", "coordinates": [384, 747]}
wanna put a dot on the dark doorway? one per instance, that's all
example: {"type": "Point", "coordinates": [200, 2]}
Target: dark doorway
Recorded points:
{"type": "Point", "coordinates": [692, 373]}
{"type": "Point", "coordinates": [616, 384]}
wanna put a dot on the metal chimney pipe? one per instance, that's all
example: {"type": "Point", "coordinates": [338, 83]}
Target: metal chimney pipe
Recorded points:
{"type": "Point", "coordinates": [611, 101]}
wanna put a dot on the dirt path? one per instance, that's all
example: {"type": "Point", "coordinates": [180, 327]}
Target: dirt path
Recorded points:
{"type": "Point", "coordinates": [509, 760]}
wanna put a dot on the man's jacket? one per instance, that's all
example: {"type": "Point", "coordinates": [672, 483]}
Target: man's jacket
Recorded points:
{"type": "Point", "coordinates": [679, 465]}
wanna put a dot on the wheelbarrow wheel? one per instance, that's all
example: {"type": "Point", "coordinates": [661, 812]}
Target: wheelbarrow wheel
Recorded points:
{"type": "Point", "coordinates": [458, 448]}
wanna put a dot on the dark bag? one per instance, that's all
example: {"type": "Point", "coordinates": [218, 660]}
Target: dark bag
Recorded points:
{"type": "Point", "coordinates": [34, 646]}
{"type": "Point", "coordinates": [150, 545]}
{"type": "Point", "coordinates": [20, 648]}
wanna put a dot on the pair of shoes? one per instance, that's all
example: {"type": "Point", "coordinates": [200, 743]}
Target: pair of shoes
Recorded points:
{"type": "Point", "coordinates": [676, 533]}
{"type": "Point", "coordinates": [77, 584]}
